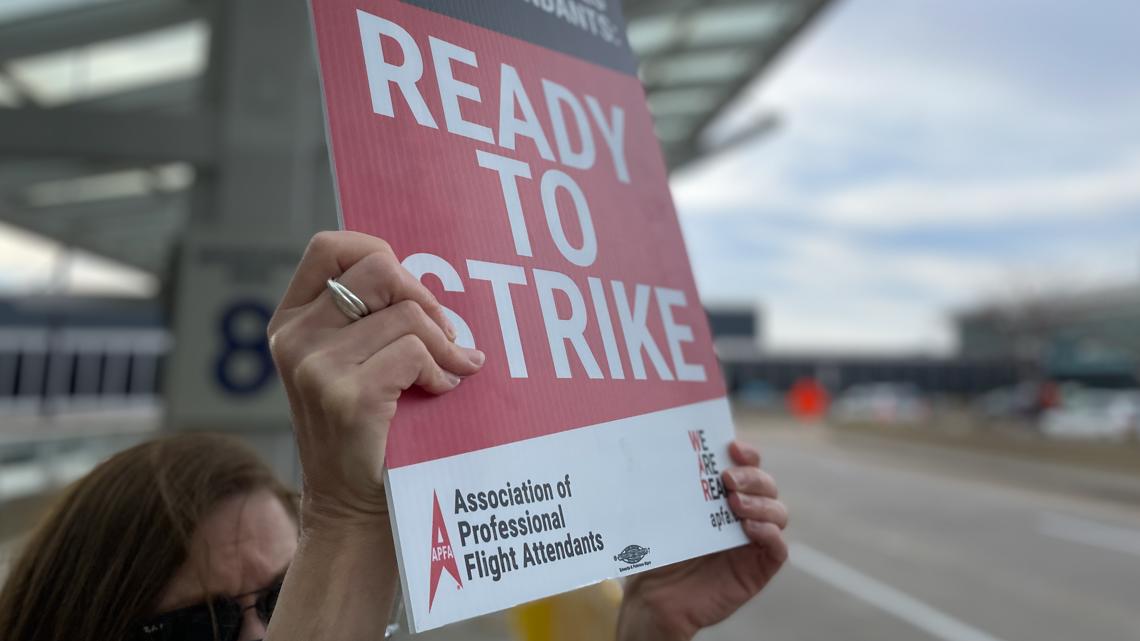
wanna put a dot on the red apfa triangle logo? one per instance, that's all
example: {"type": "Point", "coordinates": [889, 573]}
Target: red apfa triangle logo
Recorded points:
{"type": "Point", "coordinates": [442, 556]}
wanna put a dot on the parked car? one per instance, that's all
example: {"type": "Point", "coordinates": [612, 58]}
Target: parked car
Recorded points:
{"type": "Point", "coordinates": [1095, 414]}
{"type": "Point", "coordinates": [1025, 400]}
{"type": "Point", "coordinates": [882, 403]}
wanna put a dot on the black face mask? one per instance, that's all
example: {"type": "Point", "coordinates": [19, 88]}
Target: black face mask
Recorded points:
{"type": "Point", "coordinates": [219, 619]}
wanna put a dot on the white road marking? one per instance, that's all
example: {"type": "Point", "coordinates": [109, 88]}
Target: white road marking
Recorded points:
{"type": "Point", "coordinates": [879, 594]}
{"type": "Point", "coordinates": [1106, 537]}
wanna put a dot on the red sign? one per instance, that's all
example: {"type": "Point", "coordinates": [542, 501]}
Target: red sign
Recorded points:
{"type": "Point", "coordinates": [505, 151]}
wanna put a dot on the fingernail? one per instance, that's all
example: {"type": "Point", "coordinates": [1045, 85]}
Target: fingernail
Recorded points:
{"type": "Point", "coordinates": [476, 357]}
{"type": "Point", "coordinates": [746, 500]}
{"type": "Point", "coordinates": [452, 379]}
{"type": "Point", "coordinates": [732, 480]}
{"type": "Point", "coordinates": [449, 329]}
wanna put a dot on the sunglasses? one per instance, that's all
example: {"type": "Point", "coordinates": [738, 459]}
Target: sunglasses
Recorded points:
{"type": "Point", "coordinates": [219, 619]}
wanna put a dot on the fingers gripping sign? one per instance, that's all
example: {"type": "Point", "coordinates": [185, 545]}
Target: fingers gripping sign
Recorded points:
{"type": "Point", "coordinates": [676, 601]}
{"type": "Point", "coordinates": [344, 377]}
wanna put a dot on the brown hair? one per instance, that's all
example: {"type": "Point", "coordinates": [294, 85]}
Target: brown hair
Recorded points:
{"type": "Point", "coordinates": [97, 564]}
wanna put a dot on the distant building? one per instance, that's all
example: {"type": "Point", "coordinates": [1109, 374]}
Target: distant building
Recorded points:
{"type": "Point", "coordinates": [935, 375]}
{"type": "Point", "coordinates": [737, 336]}
{"type": "Point", "coordinates": [1091, 337]}
{"type": "Point", "coordinates": [736, 321]}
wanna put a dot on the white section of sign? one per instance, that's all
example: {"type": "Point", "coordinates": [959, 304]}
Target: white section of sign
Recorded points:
{"type": "Point", "coordinates": [635, 483]}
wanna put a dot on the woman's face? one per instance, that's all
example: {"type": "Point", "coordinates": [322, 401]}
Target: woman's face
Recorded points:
{"type": "Point", "coordinates": [241, 547]}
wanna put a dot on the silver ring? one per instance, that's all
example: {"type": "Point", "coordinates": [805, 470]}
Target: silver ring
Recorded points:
{"type": "Point", "coordinates": [347, 302]}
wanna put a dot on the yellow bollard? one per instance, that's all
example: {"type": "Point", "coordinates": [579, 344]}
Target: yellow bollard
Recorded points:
{"type": "Point", "coordinates": [588, 614]}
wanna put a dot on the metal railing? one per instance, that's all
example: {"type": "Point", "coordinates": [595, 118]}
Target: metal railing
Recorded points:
{"type": "Point", "coordinates": [50, 371]}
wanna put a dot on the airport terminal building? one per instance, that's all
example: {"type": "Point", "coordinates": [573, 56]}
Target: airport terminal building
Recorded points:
{"type": "Point", "coordinates": [1091, 337]}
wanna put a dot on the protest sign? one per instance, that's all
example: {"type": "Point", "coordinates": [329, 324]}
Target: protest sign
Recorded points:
{"type": "Point", "coordinates": [505, 151]}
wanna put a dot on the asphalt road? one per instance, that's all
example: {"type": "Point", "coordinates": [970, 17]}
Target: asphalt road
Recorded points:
{"type": "Point", "coordinates": [894, 542]}
{"type": "Point", "coordinates": [897, 541]}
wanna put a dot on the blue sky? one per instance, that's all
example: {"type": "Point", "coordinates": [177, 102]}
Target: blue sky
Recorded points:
{"type": "Point", "coordinates": [932, 155]}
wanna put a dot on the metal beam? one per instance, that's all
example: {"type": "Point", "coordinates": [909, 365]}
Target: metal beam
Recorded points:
{"type": "Point", "coordinates": [638, 9]}
{"type": "Point", "coordinates": [135, 231]}
{"type": "Point", "coordinates": [182, 95]}
{"type": "Point", "coordinates": [102, 212]}
{"type": "Point", "coordinates": [758, 128]}
{"type": "Point", "coordinates": [17, 174]}
{"type": "Point", "coordinates": [143, 137]}
{"type": "Point", "coordinates": [705, 84]}
{"type": "Point", "coordinates": [91, 23]}
{"type": "Point", "coordinates": [23, 94]}
{"type": "Point", "coordinates": [762, 59]}
{"type": "Point", "coordinates": [688, 48]}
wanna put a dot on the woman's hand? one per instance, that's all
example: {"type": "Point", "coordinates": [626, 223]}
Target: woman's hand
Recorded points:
{"type": "Point", "coordinates": [343, 378]}
{"type": "Point", "coordinates": [674, 602]}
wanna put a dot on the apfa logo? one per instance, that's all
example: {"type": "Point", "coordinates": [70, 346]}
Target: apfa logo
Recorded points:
{"type": "Point", "coordinates": [442, 556]}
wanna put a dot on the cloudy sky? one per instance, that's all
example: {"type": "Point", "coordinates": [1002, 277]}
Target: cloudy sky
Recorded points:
{"type": "Point", "coordinates": [932, 155]}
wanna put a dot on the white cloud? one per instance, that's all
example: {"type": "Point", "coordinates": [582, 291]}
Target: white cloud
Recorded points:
{"type": "Point", "coordinates": [828, 291]}
{"type": "Point", "coordinates": [915, 202]}
{"type": "Point", "coordinates": [913, 135]}
{"type": "Point", "coordinates": [906, 149]}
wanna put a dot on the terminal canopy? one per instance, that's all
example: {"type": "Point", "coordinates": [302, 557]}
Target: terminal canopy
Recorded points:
{"type": "Point", "coordinates": [110, 110]}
